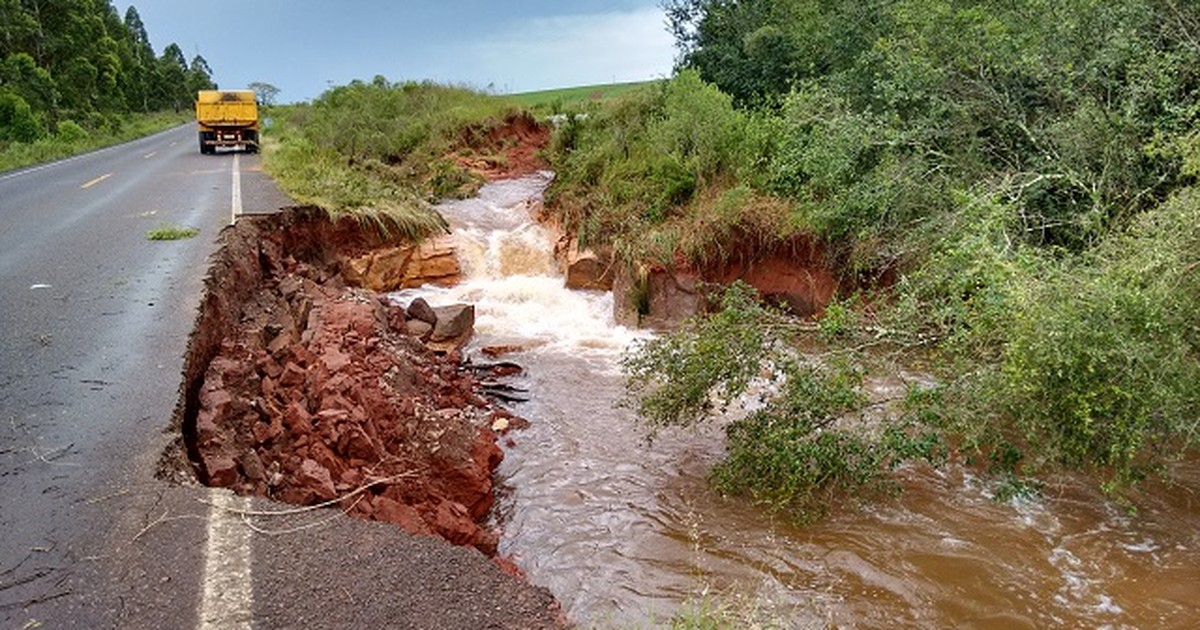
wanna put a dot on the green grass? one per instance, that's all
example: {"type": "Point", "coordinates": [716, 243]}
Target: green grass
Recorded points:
{"type": "Point", "coordinates": [117, 130]}
{"type": "Point", "coordinates": [578, 94]}
{"type": "Point", "coordinates": [171, 233]}
{"type": "Point", "coordinates": [382, 152]}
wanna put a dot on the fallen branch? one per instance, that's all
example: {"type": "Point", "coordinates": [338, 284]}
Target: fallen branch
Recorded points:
{"type": "Point", "coordinates": [299, 528]}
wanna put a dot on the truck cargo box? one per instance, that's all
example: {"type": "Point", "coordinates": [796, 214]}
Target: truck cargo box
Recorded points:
{"type": "Point", "coordinates": [227, 118]}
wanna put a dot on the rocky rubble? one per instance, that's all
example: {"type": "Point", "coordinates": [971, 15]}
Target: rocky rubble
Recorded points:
{"type": "Point", "coordinates": [307, 390]}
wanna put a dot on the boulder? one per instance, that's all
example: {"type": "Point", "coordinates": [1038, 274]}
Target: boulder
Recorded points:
{"type": "Point", "coordinates": [452, 521]}
{"type": "Point", "coordinates": [380, 270]}
{"type": "Point", "coordinates": [252, 466]}
{"type": "Point", "coordinates": [453, 321]}
{"type": "Point", "coordinates": [656, 298]}
{"type": "Point", "coordinates": [405, 516]}
{"type": "Point", "coordinates": [455, 324]}
{"type": "Point", "coordinates": [434, 262]}
{"type": "Point", "coordinates": [587, 269]}
{"type": "Point", "coordinates": [355, 443]}
{"type": "Point", "coordinates": [797, 278]}
{"type": "Point", "coordinates": [215, 404]}
{"type": "Point", "coordinates": [419, 329]}
{"type": "Point", "coordinates": [420, 310]}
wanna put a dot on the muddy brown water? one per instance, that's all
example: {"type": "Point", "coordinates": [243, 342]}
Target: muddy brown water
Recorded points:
{"type": "Point", "coordinates": [623, 532]}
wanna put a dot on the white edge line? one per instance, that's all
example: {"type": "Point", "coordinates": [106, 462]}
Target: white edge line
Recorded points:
{"type": "Point", "coordinates": [237, 189]}
{"type": "Point", "coordinates": [227, 593]}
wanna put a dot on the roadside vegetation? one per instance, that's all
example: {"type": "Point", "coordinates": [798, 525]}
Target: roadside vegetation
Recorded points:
{"type": "Point", "coordinates": [382, 151]}
{"type": "Point", "coordinates": [76, 76]}
{"type": "Point", "coordinates": [72, 139]}
{"type": "Point", "coordinates": [1008, 193]}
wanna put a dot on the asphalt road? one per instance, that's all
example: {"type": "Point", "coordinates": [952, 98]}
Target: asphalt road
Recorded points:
{"type": "Point", "coordinates": [94, 319]}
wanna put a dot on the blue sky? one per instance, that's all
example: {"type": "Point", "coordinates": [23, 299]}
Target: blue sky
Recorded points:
{"type": "Point", "coordinates": [304, 46]}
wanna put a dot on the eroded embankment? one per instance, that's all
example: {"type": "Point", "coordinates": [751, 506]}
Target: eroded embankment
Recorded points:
{"type": "Point", "coordinates": [303, 389]}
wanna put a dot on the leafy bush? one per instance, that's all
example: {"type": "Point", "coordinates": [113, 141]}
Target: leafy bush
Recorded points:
{"type": "Point", "coordinates": [17, 121]}
{"type": "Point", "coordinates": [651, 173]}
{"type": "Point", "coordinates": [69, 132]}
{"type": "Point", "coordinates": [807, 443]}
{"type": "Point", "coordinates": [673, 379]}
{"type": "Point", "coordinates": [47, 148]}
{"type": "Point", "coordinates": [1016, 178]}
{"type": "Point", "coordinates": [1101, 369]}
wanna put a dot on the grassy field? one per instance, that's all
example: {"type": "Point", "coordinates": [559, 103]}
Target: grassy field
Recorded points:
{"type": "Point", "coordinates": [577, 94]}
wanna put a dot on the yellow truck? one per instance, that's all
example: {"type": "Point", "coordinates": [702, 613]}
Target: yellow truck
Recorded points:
{"type": "Point", "coordinates": [227, 118]}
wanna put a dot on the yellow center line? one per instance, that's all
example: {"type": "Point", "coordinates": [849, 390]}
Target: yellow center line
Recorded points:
{"type": "Point", "coordinates": [97, 180]}
{"type": "Point", "coordinates": [149, 155]}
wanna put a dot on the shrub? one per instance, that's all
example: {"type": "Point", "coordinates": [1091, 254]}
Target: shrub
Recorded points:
{"type": "Point", "coordinates": [70, 132]}
{"type": "Point", "coordinates": [1101, 369]}
{"type": "Point", "coordinates": [673, 379]}
{"type": "Point", "coordinates": [17, 121]}
{"type": "Point", "coordinates": [807, 444]}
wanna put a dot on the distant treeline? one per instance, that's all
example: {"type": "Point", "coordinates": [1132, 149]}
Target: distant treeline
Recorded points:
{"type": "Point", "coordinates": [80, 61]}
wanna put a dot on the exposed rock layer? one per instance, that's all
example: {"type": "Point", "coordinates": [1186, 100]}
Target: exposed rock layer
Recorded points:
{"type": "Point", "coordinates": [796, 277]}
{"type": "Point", "coordinates": [303, 389]}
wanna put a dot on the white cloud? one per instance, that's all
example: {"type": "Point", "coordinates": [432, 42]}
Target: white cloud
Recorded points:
{"type": "Point", "coordinates": [543, 53]}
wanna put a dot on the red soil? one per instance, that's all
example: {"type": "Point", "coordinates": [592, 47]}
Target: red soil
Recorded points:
{"type": "Point", "coordinates": [510, 149]}
{"type": "Point", "coordinates": [302, 389]}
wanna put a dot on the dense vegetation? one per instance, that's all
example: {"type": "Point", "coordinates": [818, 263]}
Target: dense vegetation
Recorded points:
{"type": "Point", "coordinates": [381, 151]}
{"type": "Point", "coordinates": [1025, 171]}
{"type": "Point", "coordinates": [74, 74]}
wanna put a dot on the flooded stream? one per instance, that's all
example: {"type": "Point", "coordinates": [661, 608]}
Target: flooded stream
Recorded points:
{"type": "Point", "coordinates": [623, 532]}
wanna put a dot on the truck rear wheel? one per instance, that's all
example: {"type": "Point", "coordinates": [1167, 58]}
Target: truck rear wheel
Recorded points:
{"type": "Point", "coordinates": [208, 141]}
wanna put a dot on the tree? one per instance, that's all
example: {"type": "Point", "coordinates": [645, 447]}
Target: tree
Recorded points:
{"type": "Point", "coordinates": [265, 92]}
{"type": "Point", "coordinates": [199, 76]}
{"type": "Point", "coordinates": [17, 28]}
{"type": "Point", "coordinates": [140, 71]}
{"type": "Point", "coordinates": [171, 79]}
{"type": "Point", "coordinates": [21, 75]}
{"type": "Point", "coordinates": [72, 59]}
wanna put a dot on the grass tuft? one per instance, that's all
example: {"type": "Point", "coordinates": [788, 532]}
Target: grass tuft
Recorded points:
{"type": "Point", "coordinates": [171, 233]}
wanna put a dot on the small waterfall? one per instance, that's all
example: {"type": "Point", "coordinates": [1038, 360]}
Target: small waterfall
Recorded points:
{"type": "Point", "coordinates": [512, 279]}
